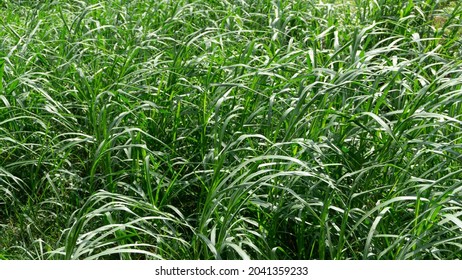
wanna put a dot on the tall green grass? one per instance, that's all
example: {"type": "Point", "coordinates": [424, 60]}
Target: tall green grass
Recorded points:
{"type": "Point", "coordinates": [203, 129]}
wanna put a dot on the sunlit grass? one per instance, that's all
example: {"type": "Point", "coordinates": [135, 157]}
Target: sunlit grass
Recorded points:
{"type": "Point", "coordinates": [285, 129]}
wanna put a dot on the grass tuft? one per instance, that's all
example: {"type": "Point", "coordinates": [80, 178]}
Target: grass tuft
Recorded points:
{"type": "Point", "coordinates": [203, 129]}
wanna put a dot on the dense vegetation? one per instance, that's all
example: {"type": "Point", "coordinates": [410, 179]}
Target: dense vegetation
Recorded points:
{"type": "Point", "coordinates": [229, 129]}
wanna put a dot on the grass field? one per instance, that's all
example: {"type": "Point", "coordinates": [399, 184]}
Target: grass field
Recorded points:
{"type": "Point", "coordinates": [230, 129]}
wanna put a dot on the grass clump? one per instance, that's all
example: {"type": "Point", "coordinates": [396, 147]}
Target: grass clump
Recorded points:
{"type": "Point", "coordinates": [230, 130]}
